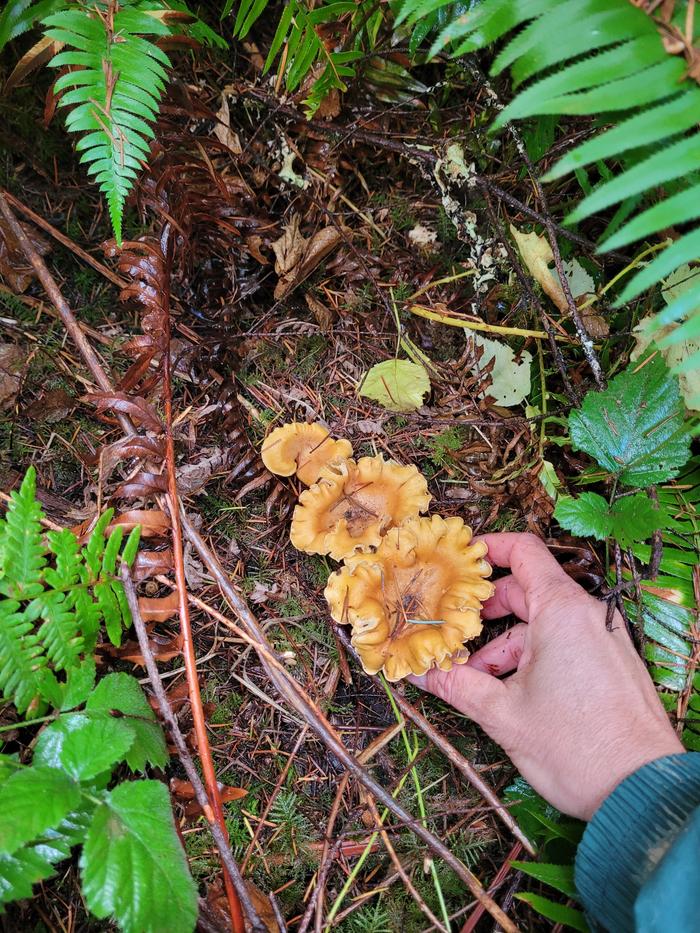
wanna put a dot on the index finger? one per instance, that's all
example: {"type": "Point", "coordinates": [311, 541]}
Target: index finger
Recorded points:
{"type": "Point", "coordinates": [530, 560]}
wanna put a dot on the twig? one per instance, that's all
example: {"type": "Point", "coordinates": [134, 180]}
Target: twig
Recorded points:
{"type": "Point", "coordinates": [293, 694]}
{"type": "Point", "coordinates": [218, 834]}
{"type": "Point", "coordinates": [69, 321]}
{"type": "Point", "coordinates": [66, 241]}
{"type": "Point", "coordinates": [188, 652]}
{"type": "Point", "coordinates": [499, 878]}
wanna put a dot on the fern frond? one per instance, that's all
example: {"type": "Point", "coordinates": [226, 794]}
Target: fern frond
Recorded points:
{"type": "Point", "coordinates": [22, 550]}
{"type": "Point", "coordinates": [299, 32]}
{"type": "Point", "coordinates": [18, 16]}
{"type": "Point", "coordinates": [114, 88]}
{"type": "Point", "coordinates": [60, 632]}
{"type": "Point", "coordinates": [609, 57]}
{"type": "Point", "coordinates": [21, 657]}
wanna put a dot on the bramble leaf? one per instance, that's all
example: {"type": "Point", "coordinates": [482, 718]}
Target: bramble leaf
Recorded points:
{"type": "Point", "coordinates": [84, 745]}
{"type": "Point", "coordinates": [33, 800]}
{"type": "Point", "coordinates": [586, 516]}
{"type": "Point", "coordinates": [123, 693]}
{"type": "Point", "coordinates": [635, 428]}
{"type": "Point", "coordinates": [630, 519]}
{"type": "Point", "coordinates": [132, 865]}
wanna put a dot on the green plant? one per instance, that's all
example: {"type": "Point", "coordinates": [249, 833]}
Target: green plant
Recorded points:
{"type": "Point", "coordinates": [616, 62]}
{"type": "Point", "coordinates": [304, 30]}
{"type": "Point", "coordinates": [54, 596]}
{"type": "Point", "coordinates": [556, 837]}
{"type": "Point", "coordinates": [113, 76]}
{"type": "Point", "coordinates": [637, 432]}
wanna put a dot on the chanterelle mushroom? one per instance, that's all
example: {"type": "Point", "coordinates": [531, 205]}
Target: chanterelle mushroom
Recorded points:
{"type": "Point", "coordinates": [354, 503]}
{"type": "Point", "coordinates": [304, 449]}
{"type": "Point", "coordinates": [413, 603]}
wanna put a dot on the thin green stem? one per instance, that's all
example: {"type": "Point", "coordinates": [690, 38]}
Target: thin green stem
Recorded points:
{"type": "Point", "coordinates": [27, 722]}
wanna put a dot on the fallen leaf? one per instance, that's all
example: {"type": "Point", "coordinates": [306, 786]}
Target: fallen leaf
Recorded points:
{"type": "Point", "coordinates": [646, 332]}
{"type": "Point", "coordinates": [296, 257]}
{"type": "Point", "coordinates": [14, 268]}
{"type": "Point", "coordinates": [329, 106]}
{"type": "Point", "coordinates": [184, 790]}
{"type": "Point", "coordinates": [582, 286]}
{"type": "Point", "coordinates": [398, 385]}
{"type": "Point", "coordinates": [159, 608]}
{"type": "Point", "coordinates": [12, 360]}
{"type": "Point", "coordinates": [323, 315]}
{"type": "Point", "coordinates": [223, 131]}
{"type": "Point", "coordinates": [537, 255]}
{"type": "Point", "coordinates": [193, 477]}
{"type": "Point", "coordinates": [52, 406]}
{"type": "Point", "coordinates": [510, 380]}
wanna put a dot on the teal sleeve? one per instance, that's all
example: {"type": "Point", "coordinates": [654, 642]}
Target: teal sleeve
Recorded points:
{"type": "Point", "coordinates": [637, 867]}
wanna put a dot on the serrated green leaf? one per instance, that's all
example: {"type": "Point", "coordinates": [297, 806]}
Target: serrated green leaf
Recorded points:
{"type": "Point", "coordinates": [123, 693]}
{"type": "Point", "coordinates": [56, 844]}
{"type": "Point", "coordinates": [84, 745]}
{"type": "Point", "coordinates": [635, 518]}
{"type": "Point", "coordinates": [33, 800]}
{"type": "Point", "coordinates": [635, 428]}
{"type": "Point", "coordinates": [19, 872]}
{"type": "Point", "coordinates": [79, 684]}
{"type": "Point", "coordinates": [132, 865]}
{"type": "Point", "coordinates": [586, 516]}
{"type": "Point", "coordinates": [22, 550]}
{"type": "Point", "coordinates": [398, 385]}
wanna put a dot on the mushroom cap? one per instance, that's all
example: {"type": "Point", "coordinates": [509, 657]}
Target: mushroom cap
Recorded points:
{"type": "Point", "coordinates": [304, 449]}
{"type": "Point", "coordinates": [414, 602]}
{"type": "Point", "coordinates": [354, 503]}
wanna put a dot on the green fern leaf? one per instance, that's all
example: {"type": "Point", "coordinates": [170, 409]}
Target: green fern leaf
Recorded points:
{"type": "Point", "coordinates": [22, 549]}
{"type": "Point", "coordinates": [20, 871]}
{"type": "Point", "coordinates": [21, 657]}
{"type": "Point", "coordinates": [18, 16]}
{"type": "Point", "coordinates": [114, 93]}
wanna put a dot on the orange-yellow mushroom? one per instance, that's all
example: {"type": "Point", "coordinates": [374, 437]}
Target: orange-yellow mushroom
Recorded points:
{"type": "Point", "coordinates": [304, 449]}
{"type": "Point", "coordinates": [354, 503]}
{"type": "Point", "coordinates": [414, 602]}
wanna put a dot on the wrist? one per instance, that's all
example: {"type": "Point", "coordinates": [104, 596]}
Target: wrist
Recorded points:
{"type": "Point", "coordinates": [628, 758]}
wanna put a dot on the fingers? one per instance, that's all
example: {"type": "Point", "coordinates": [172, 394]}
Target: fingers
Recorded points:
{"type": "Point", "coordinates": [502, 654]}
{"type": "Point", "coordinates": [481, 697]}
{"type": "Point", "coordinates": [508, 598]}
{"type": "Point", "coordinates": [532, 565]}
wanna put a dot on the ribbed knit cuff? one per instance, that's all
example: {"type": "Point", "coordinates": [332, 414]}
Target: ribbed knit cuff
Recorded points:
{"type": "Point", "coordinates": [629, 835]}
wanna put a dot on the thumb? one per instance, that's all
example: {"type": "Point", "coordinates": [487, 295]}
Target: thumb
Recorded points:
{"type": "Point", "coordinates": [479, 696]}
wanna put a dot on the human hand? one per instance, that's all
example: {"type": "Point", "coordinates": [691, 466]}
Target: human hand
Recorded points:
{"type": "Point", "coordinates": [581, 712]}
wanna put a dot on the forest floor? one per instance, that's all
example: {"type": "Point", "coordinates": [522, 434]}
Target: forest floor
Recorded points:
{"type": "Point", "coordinates": [260, 338]}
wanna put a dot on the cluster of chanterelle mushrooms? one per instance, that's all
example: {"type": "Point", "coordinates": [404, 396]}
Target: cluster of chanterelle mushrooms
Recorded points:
{"type": "Point", "coordinates": [411, 586]}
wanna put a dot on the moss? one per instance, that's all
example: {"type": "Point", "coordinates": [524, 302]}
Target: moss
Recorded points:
{"type": "Point", "coordinates": [442, 447]}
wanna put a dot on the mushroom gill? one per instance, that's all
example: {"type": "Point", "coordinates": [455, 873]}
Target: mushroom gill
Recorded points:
{"type": "Point", "coordinates": [304, 449]}
{"type": "Point", "coordinates": [414, 602]}
{"type": "Point", "coordinates": [354, 503]}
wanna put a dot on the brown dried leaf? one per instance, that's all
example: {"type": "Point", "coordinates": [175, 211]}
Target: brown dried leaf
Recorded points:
{"type": "Point", "coordinates": [150, 563]}
{"type": "Point", "coordinates": [12, 360]}
{"type": "Point", "coordinates": [297, 257]}
{"type": "Point", "coordinates": [142, 485]}
{"type": "Point", "coordinates": [163, 648]}
{"type": "Point", "coordinates": [323, 315]}
{"type": "Point", "coordinates": [193, 477]}
{"type": "Point", "coordinates": [158, 608]}
{"type": "Point", "coordinates": [184, 790]}
{"type": "Point", "coordinates": [136, 407]}
{"type": "Point", "coordinates": [14, 268]}
{"type": "Point", "coordinates": [39, 54]}
{"type": "Point", "coordinates": [223, 131]}
{"type": "Point", "coordinates": [154, 523]}
{"type": "Point", "coordinates": [138, 447]}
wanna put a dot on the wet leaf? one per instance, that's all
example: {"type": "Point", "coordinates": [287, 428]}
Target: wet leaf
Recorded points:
{"type": "Point", "coordinates": [510, 379]}
{"type": "Point", "coordinates": [635, 428]}
{"type": "Point", "coordinates": [537, 256]}
{"type": "Point", "coordinates": [398, 385]}
{"type": "Point", "coordinates": [296, 257]}
{"type": "Point", "coordinates": [12, 359]}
